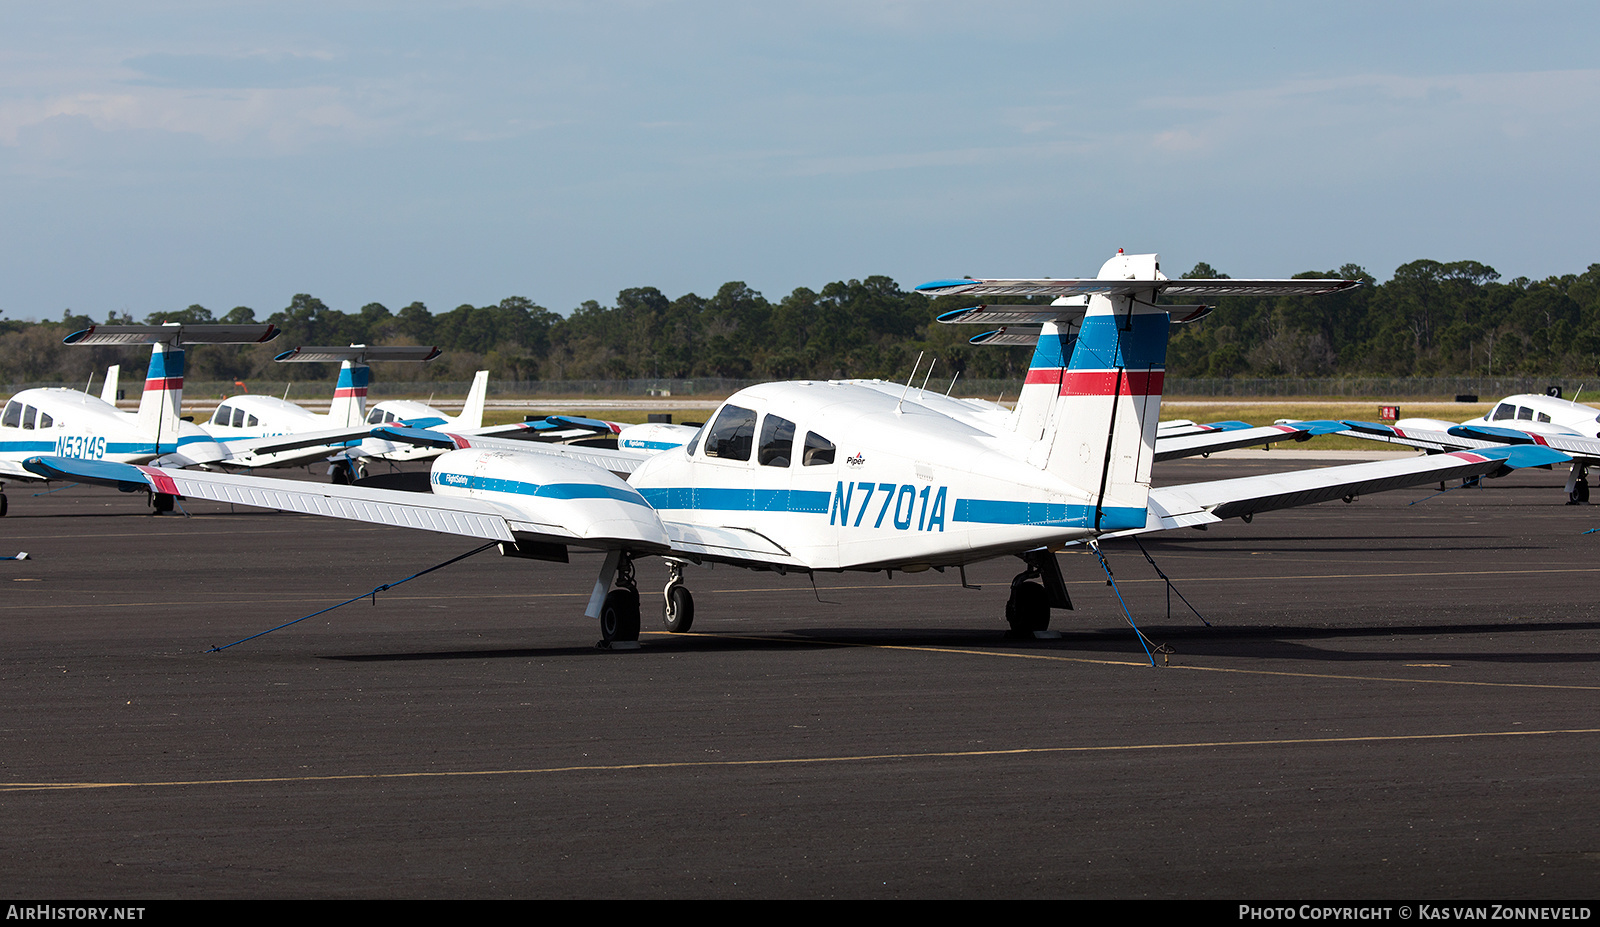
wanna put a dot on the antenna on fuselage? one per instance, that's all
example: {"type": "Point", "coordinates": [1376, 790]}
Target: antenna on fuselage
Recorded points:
{"type": "Point", "coordinates": [908, 381]}
{"type": "Point", "coordinates": [929, 375]}
{"type": "Point", "coordinates": [286, 390]}
{"type": "Point", "coordinates": [952, 384]}
{"type": "Point", "coordinates": [89, 385]}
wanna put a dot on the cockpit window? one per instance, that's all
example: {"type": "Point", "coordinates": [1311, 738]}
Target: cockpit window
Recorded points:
{"type": "Point", "coordinates": [694, 442]}
{"type": "Point", "coordinates": [375, 417]}
{"type": "Point", "coordinates": [12, 417]}
{"type": "Point", "coordinates": [732, 434]}
{"type": "Point", "coordinates": [223, 415]}
{"type": "Point", "coordinates": [818, 452]}
{"type": "Point", "coordinates": [1524, 414]}
{"type": "Point", "coordinates": [1504, 411]}
{"type": "Point", "coordinates": [238, 418]}
{"type": "Point", "coordinates": [777, 442]}
{"type": "Point", "coordinates": [27, 417]}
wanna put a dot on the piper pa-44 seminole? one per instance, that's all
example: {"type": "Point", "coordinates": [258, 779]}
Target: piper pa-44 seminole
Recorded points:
{"type": "Point", "coordinates": [827, 476]}
{"type": "Point", "coordinates": [67, 423]}
{"type": "Point", "coordinates": [1527, 418]}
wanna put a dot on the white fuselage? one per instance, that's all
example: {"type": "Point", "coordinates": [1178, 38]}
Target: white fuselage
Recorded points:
{"type": "Point", "coordinates": [66, 423]}
{"type": "Point", "coordinates": [862, 481]}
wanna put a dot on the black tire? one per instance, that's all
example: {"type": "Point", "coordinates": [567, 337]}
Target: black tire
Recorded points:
{"type": "Point", "coordinates": [161, 503]}
{"type": "Point", "coordinates": [1583, 491]}
{"type": "Point", "coordinates": [3, 505]}
{"type": "Point", "coordinates": [619, 616]}
{"type": "Point", "coordinates": [678, 612]}
{"type": "Point", "coordinates": [1028, 609]}
{"type": "Point", "coordinates": [340, 475]}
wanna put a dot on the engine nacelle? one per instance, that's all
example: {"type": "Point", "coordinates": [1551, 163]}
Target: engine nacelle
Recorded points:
{"type": "Point", "coordinates": [555, 496]}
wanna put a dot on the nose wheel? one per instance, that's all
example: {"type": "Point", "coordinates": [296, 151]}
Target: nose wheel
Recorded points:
{"type": "Point", "coordinates": [678, 611]}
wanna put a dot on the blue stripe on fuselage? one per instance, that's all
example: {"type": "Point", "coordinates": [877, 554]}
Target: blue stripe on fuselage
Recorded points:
{"type": "Point", "coordinates": [546, 490]}
{"type": "Point", "coordinates": [1045, 514]}
{"type": "Point", "coordinates": [809, 502]}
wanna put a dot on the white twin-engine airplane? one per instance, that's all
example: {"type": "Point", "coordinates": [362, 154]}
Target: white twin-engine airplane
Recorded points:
{"type": "Point", "coordinates": [265, 431]}
{"type": "Point", "coordinates": [1529, 418]}
{"type": "Point", "coordinates": [826, 476]}
{"type": "Point", "coordinates": [69, 424]}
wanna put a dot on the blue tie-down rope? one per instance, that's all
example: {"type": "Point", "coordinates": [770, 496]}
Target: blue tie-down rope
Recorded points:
{"type": "Point", "coordinates": [1143, 641]}
{"type": "Point", "coordinates": [373, 594]}
{"type": "Point", "coordinates": [1471, 482]}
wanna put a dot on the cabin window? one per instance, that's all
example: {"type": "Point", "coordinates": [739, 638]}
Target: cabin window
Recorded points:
{"type": "Point", "coordinates": [732, 434]}
{"type": "Point", "coordinates": [818, 452]}
{"type": "Point", "coordinates": [1544, 417]}
{"type": "Point", "coordinates": [1524, 414]}
{"type": "Point", "coordinates": [222, 416]}
{"type": "Point", "coordinates": [1504, 411]}
{"type": "Point", "coordinates": [250, 421]}
{"type": "Point", "coordinates": [45, 421]}
{"type": "Point", "coordinates": [27, 417]}
{"type": "Point", "coordinates": [777, 442]}
{"type": "Point", "coordinates": [12, 417]}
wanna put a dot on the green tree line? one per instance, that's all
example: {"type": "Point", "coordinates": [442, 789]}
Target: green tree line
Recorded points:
{"type": "Point", "coordinates": [1429, 319]}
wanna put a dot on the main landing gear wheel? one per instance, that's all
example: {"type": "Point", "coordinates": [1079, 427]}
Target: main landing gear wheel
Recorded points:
{"type": "Point", "coordinates": [3, 505]}
{"type": "Point", "coordinates": [619, 616]}
{"type": "Point", "coordinates": [161, 503]}
{"type": "Point", "coordinates": [1580, 489]}
{"type": "Point", "coordinates": [1028, 609]}
{"type": "Point", "coordinates": [346, 472]}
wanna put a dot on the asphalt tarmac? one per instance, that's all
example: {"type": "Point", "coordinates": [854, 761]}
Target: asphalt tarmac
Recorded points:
{"type": "Point", "coordinates": [1392, 701]}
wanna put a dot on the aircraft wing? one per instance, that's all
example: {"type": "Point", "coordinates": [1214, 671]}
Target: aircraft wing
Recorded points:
{"type": "Point", "coordinates": [1462, 437]}
{"type": "Point", "coordinates": [569, 516]}
{"type": "Point", "coordinates": [1203, 503]}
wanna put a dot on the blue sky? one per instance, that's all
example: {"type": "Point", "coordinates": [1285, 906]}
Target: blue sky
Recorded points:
{"type": "Point", "coordinates": [158, 154]}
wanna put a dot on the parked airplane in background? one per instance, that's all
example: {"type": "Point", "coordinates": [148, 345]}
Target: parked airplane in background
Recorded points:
{"type": "Point", "coordinates": [265, 431]}
{"type": "Point", "coordinates": [817, 476]}
{"type": "Point", "coordinates": [67, 423]}
{"type": "Point", "coordinates": [1528, 418]}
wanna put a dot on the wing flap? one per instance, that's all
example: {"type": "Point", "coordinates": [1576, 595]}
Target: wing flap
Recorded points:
{"type": "Point", "coordinates": [1169, 506]}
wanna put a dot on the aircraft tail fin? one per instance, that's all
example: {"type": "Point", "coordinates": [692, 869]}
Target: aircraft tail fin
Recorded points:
{"type": "Point", "coordinates": [472, 412]}
{"type": "Point", "coordinates": [161, 402]}
{"type": "Point", "coordinates": [349, 406]}
{"type": "Point", "coordinates": [1092, 397]}
{"type": "Point", "coordinates": [108, 390]}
